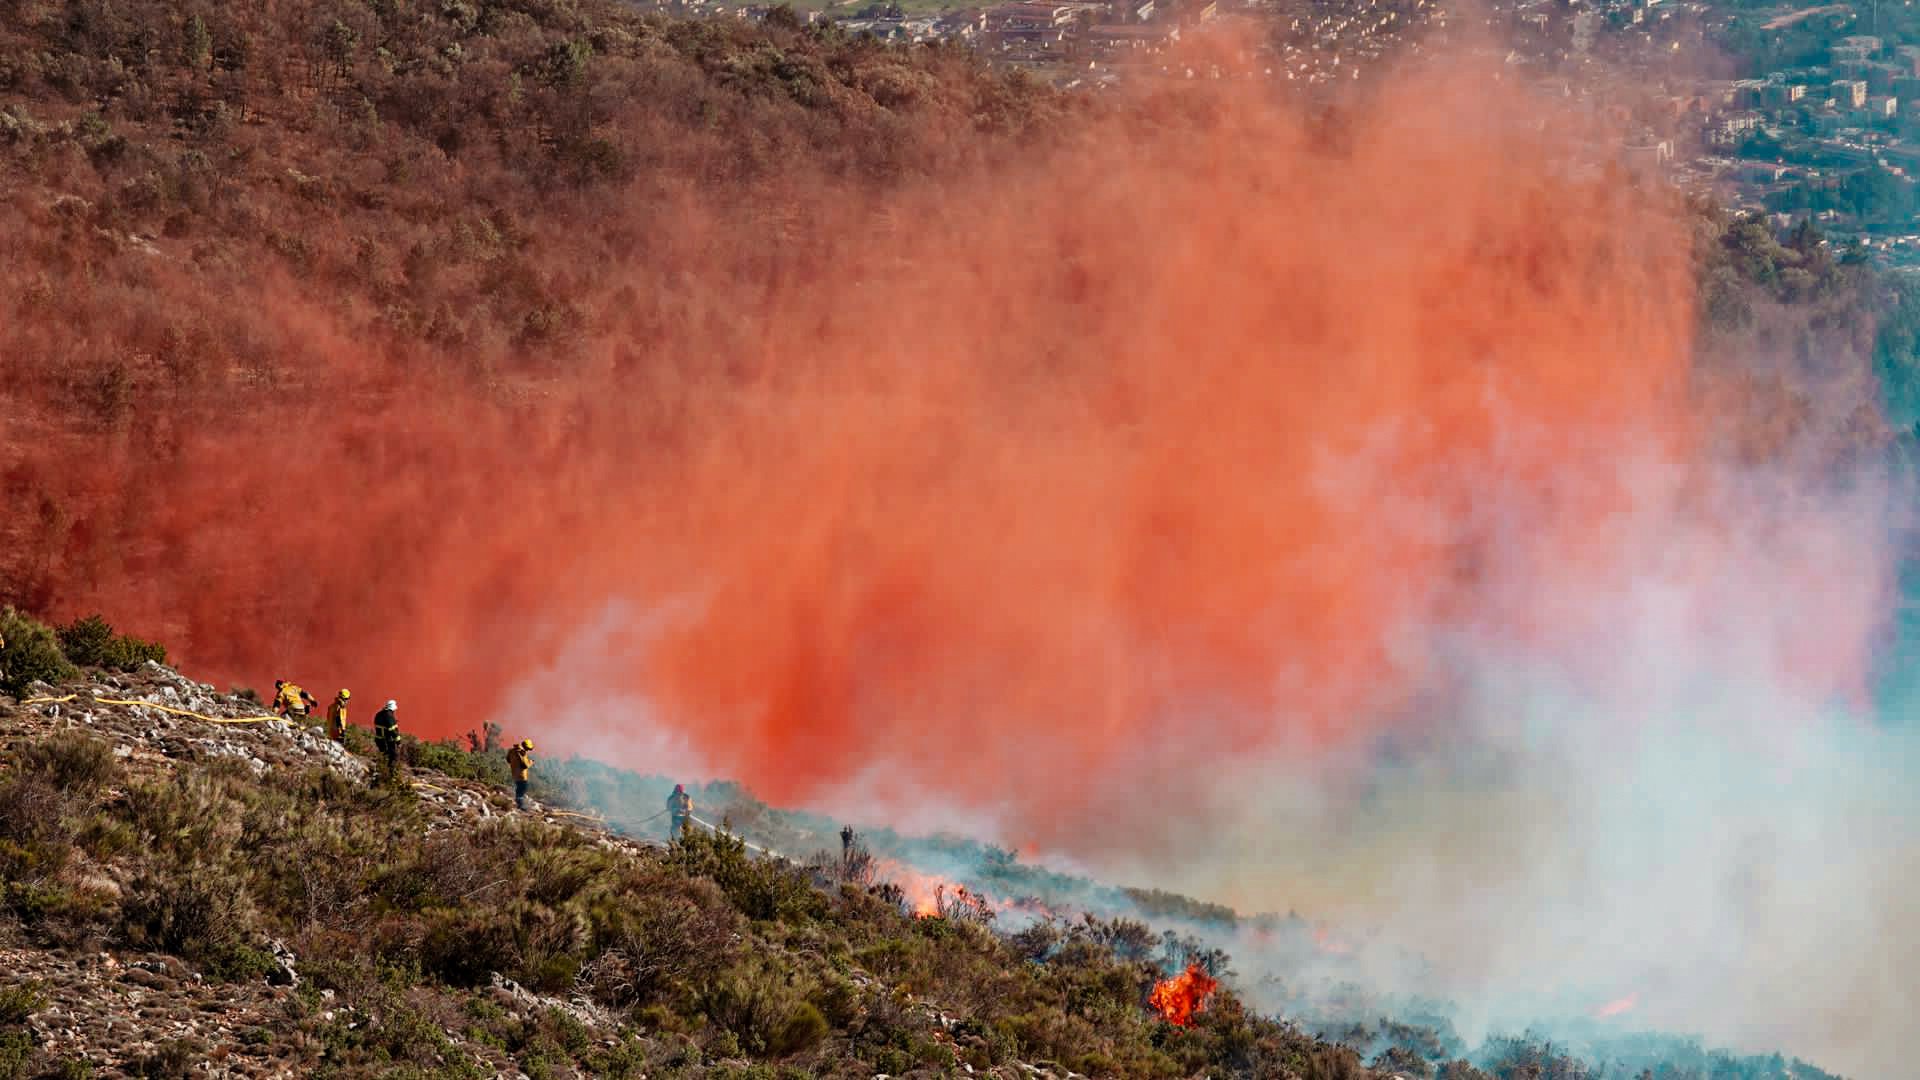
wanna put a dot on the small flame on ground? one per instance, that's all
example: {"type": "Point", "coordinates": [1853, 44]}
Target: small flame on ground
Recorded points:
{"type": "Point", "coordinates": [930, 895]}
{"type": "Point", "coordinates": [922, 890]}
{"type": "Point", "coordinates": [1328, 942]}
{"type": "Point", "coordinates": [1179, 998]}
{"type": "Point", "coordinates": [1615, 1008]}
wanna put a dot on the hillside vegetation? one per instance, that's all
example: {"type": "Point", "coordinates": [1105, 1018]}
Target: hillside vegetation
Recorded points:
{"type": "Point", "coordinates": [179, 891]}
{"type": "Point", "coordinates": [426, 169]}
{"type": "Point", "coordinates": [411, 284]}
{"type": "Point", "coordinates": [460, 191]}
{"type": "Point", "coordinates": [202, 203]}
{"type": "Point", "coordinates": [192, 890]}
{"type": "Point", "coordinates": [204, 200]}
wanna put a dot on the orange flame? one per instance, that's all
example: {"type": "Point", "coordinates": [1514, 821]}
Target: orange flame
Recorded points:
{"type": "Point", "coordinates": [930, 894]}
{"type": "Point", "coordinates": [922, 890]}
{"type": "Point", "coordinates": [1615, 1008]}
{"type": "Point", "coordinates": [1178, 998]}
{"type": "Point", "coordinates": [1328, 942]}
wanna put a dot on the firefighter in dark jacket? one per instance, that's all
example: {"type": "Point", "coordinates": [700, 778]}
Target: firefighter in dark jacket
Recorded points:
{"type": "Point", "coordinates": [680, 808]}
{"type": "Point", "coordinates": [386, 736]}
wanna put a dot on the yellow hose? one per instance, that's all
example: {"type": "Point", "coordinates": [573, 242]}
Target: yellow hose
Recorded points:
{"type": "Point", "coordinates": [151, 705]}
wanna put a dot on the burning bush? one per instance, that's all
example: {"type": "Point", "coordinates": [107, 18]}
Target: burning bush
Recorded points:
{"type": "Point", "coordinates": [1179, 998]}
{"type": "Point", "coordinates": [962, 905]}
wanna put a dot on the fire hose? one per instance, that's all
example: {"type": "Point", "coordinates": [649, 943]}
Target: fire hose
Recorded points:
{"type": "Point", "coordinates": [151, 705]}
{"type": "Point", "coordinates": [711, 827]}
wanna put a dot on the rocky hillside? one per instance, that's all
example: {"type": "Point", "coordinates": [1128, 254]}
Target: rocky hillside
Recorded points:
{"type": "Point", "coordinates": [215, 894]}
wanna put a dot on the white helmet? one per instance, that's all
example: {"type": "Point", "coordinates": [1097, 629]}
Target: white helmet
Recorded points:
{"type": "Point", "coordinates": [392, 705]}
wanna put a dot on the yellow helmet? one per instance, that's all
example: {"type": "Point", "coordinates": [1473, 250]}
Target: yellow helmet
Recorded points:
{"type": "Point", "coordinates": [526, 744]}
{"type": "Point", "coordinates": [345, 694]}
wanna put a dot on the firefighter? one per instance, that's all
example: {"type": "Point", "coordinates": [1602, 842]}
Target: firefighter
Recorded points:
{"type": "Point", "coordinates": [386, 736]}
{"type": "Point", "coordinates": [291, 702]}
{"type": "Point", "coordinates": [337, 716]}
{"type": "Point", "coordinates": [520, 760]}
{"type": "Point", "coordinates": [680, 806]}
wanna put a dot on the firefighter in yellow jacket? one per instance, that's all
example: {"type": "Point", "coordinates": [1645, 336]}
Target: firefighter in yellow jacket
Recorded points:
{"type": "Point", "coordinates": [291, 702]}
{"type": "Point", "coordinates": [520, 760]}
{"type": "Point", "coordinates": [337, 716]}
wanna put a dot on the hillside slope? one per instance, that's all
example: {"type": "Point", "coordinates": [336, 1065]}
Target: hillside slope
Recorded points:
{"type": "Point", "coordinates": [194, 889]}
{"type": "Point", "coordinates": [371, 338]}
{"type": "Point", "coordinates": [381, 225]}
{"type": "Point", "coordinates": [183, 893]}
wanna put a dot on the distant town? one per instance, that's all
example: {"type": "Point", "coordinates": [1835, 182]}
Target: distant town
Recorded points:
{"type": "Point", "coordinates": [1793, 111]}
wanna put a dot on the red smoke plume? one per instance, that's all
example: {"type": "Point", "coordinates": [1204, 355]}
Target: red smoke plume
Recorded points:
{"type": "Point", "coordinates": [1179, 998]}
{"type": "Point", "coordinates": [981, 482]}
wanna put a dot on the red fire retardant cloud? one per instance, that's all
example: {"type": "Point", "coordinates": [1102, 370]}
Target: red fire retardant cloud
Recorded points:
{"type": "Point", "coordinates": [1037, 488]}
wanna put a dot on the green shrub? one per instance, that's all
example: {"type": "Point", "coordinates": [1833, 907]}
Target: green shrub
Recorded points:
{"type": "Point", "coordinates": [239, 962]}
{"type": "Point", "coordinates": [803, 1030]}
{"type": "Point", "coordinates": [41, 902]}
{"type": "Point", "coordinates": [17, 1003]}
{"type": "Point", "coordinates": [618, 1062]}
{"type": "Point", "coordinates": [76, 763]}
{"type": "Point", "coordinates": [71, 1069]}
{"type": "Point", "coordinates": [838, 1001]}
{"type": "Point", "coordinates": [16, 1055]}
{"type": "Point", "coordinates": [31, 808]}
{"type": "Point", "coordinates": [553, 975]}
{"type": "Point", "coordinates": [759, 888]}
{"type": "Point", "coordinates": [187, 911]}
{"type": "Point", "coordinates": [446, 756]}
{"type": "Point", "coordinates": [192, 817]}
{"type": "Point", "coordinates": [764, 1009]}
{"type": "Point", "coordinates": [91, 642]}
{"type": "Point", "coordinates": [465, 948]}
{"type": "Point", "coordinates": [567, 1031]}
{"type": "Point", "coordinates": [173, 1059]}
{"type": "Point", "coordinates": [31, 654]}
